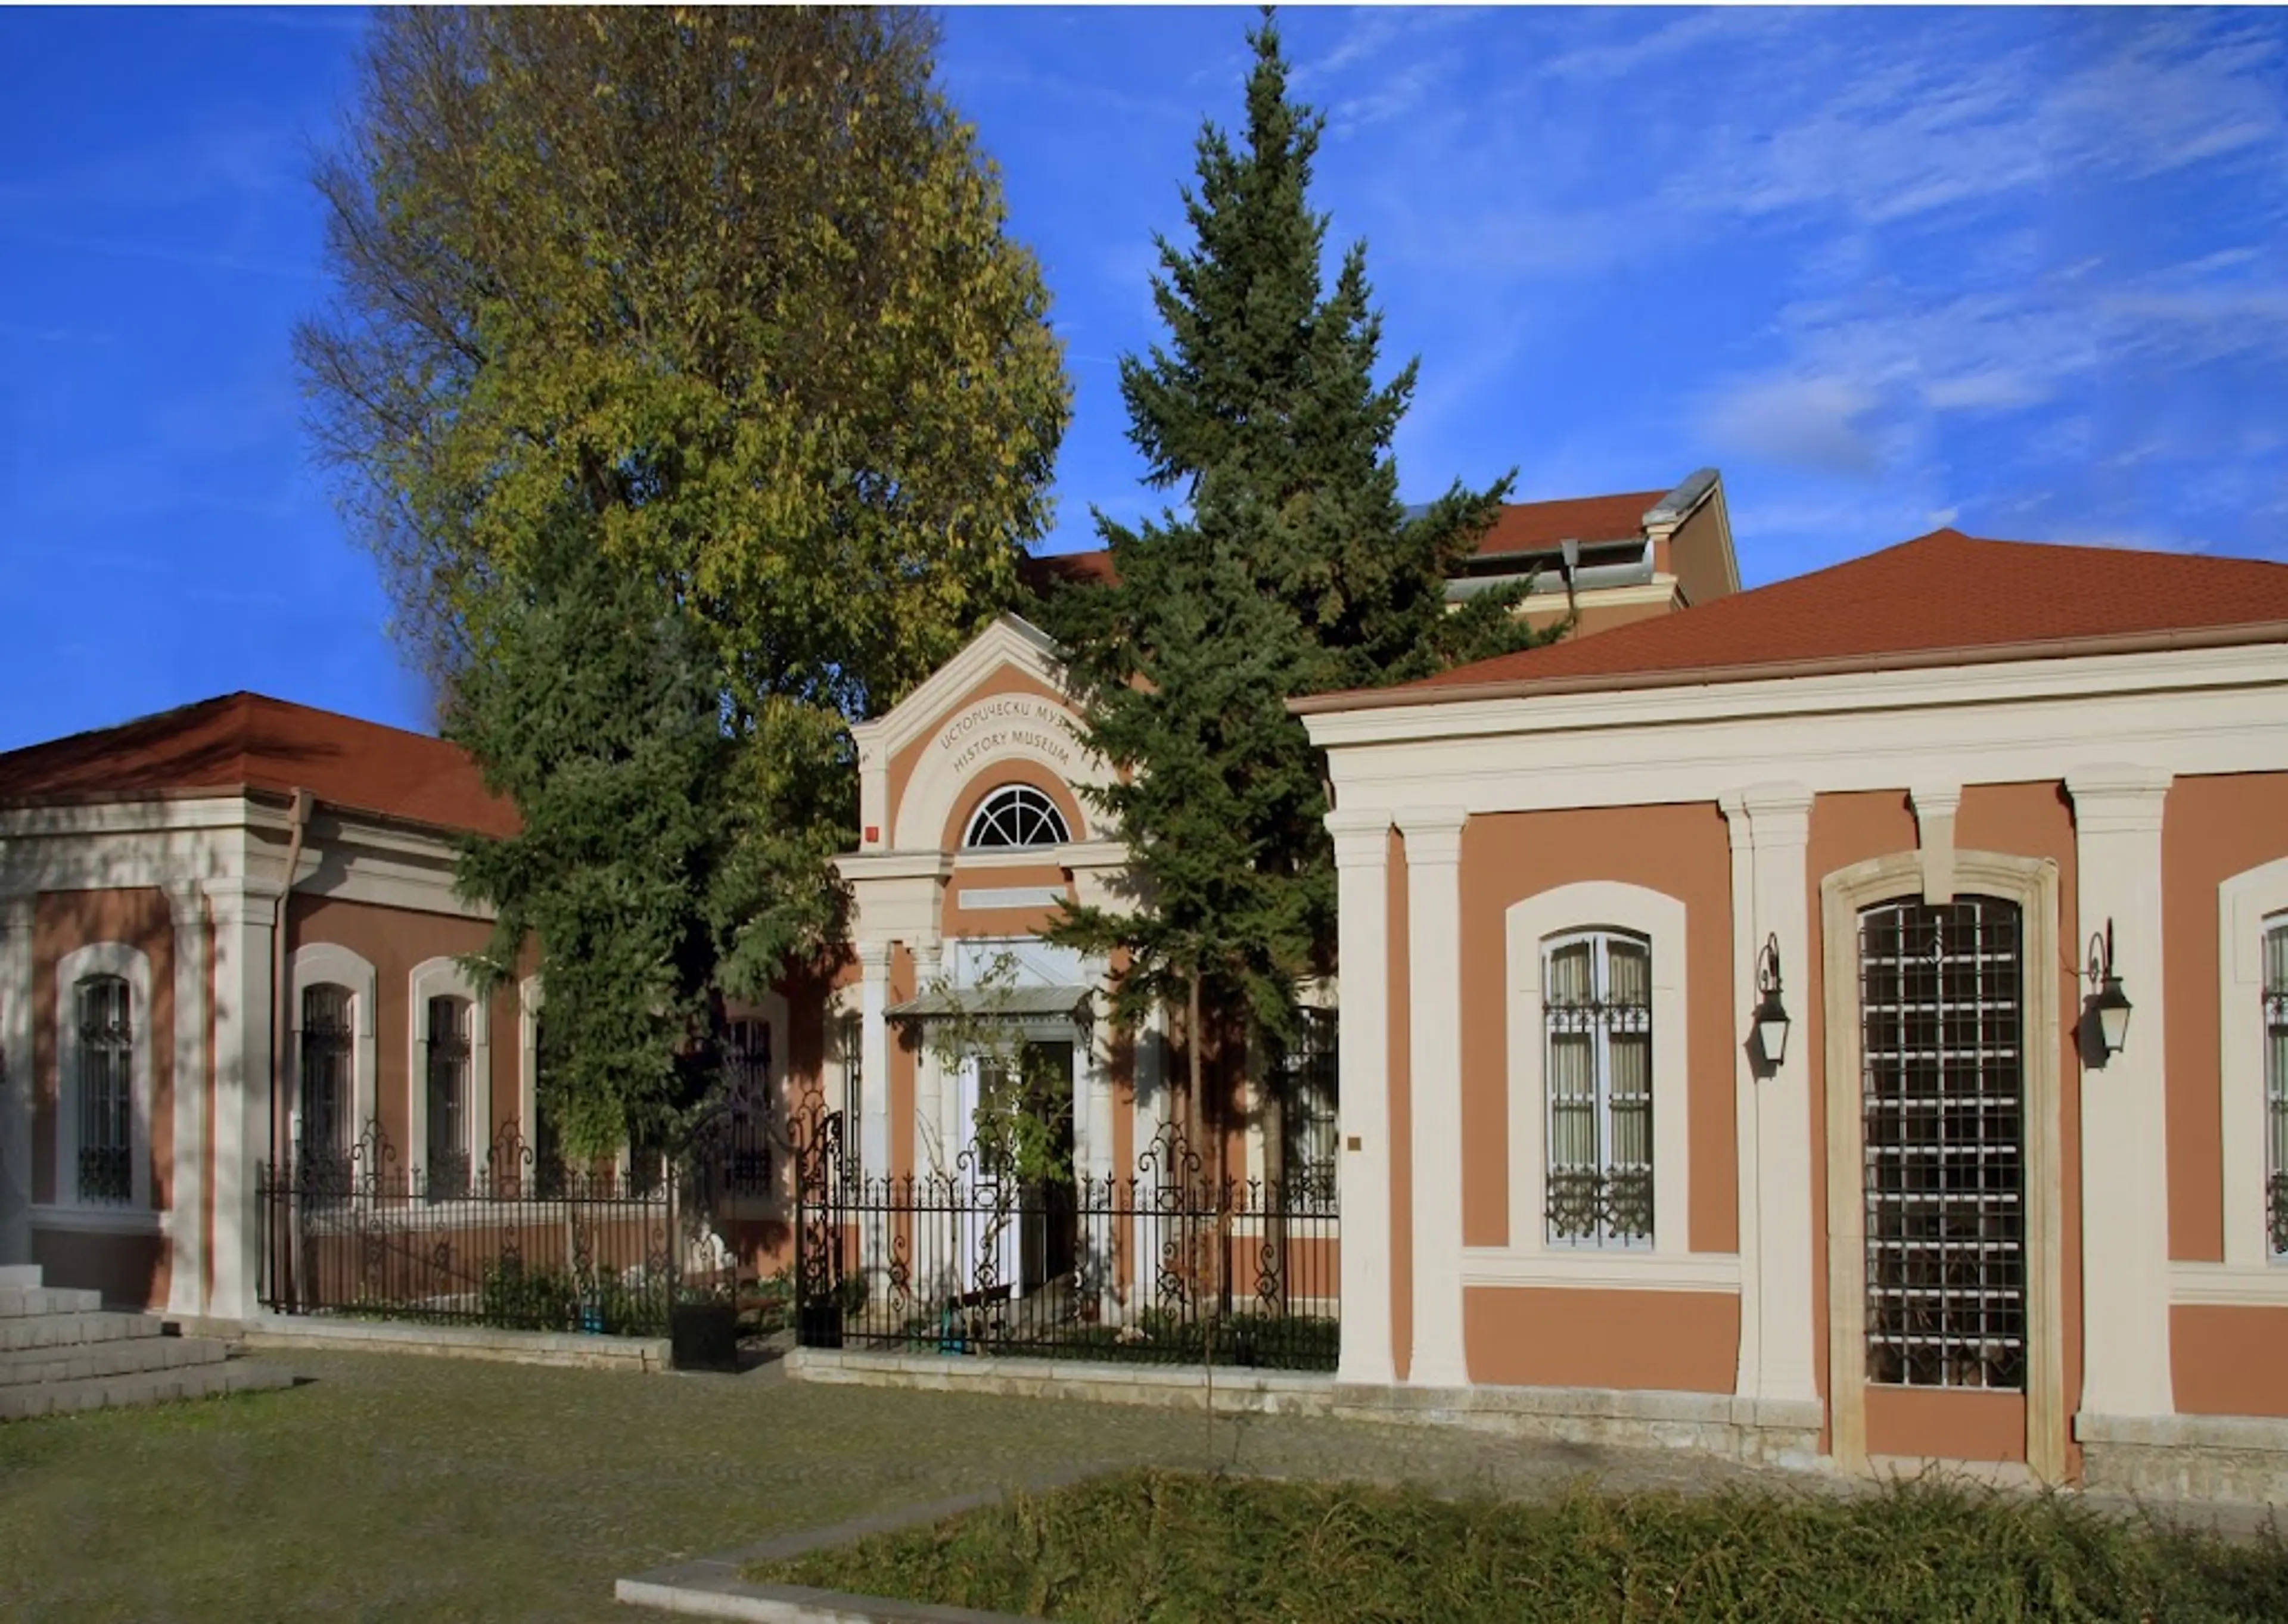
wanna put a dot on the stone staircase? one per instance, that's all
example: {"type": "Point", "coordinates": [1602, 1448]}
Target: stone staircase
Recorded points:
{"type": "Point", "coordinates": [61, 1352]}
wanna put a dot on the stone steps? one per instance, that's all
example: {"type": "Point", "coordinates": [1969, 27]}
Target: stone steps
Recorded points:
{"type": "Point", "coordinates": [16, 1302]}
{"type": "Point", "coordinates": [83, 1361]}
{"type": "Point", "coordinates": [63, 1352]}
{"type": "Point", "coordinates": [144, 1387]}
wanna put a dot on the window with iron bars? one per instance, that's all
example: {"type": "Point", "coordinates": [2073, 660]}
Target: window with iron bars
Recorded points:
{"type": "Point", "coordinates": [327, 1047]}
{"type": "Point", "coordinates": [2276, 1086]}
{"type": "Point", "coordinates": [1309, 1117]}
{"type": "Point", "coordinates": [107, 1092]}
{"type": "Point", "coordinates": [1941, 1017]}
{"type": "Point", "coordinates": [447, 1146]}
{"type": "Point", "coordinates": [1597, 1010]}
{"type": "Point", "coordinates": [747, 1078]}
{"type": "Point", "coordinates": [854, 1087]}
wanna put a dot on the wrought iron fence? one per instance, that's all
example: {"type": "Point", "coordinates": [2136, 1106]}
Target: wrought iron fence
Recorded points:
{"type": "Point", "coordinates": [519, 1242]}
{"type": "Point", "coordinates": [1165, 1263]}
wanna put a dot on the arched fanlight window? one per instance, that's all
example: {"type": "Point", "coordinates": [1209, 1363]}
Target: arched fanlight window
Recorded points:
{"type": "Point", "coordinates": [1015, 815]}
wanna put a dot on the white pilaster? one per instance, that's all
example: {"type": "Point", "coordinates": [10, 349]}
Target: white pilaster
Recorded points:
{"type": "Point", "coordinates": [1433, 952]}
{"type": "Point", "coordinates": [245, 913]}
{"type": "Point", "coordinates": [16, 1079]}
{"type": "Point", "coordinates": [873, 1128]}
{"type": "Point", "coordinates": [1362, 926]}
{"type": "Point", "coordinates": [187, 1292]}
{"type": "Point", "coordinates": [2125, 1215]}
{"type": "Point", "coordinates": [1787, 1339]}
{"type": "Point", "coordinates": [1748, 1379]}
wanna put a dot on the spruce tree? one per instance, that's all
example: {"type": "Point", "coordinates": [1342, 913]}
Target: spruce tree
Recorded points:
{"type": "Point", "coordinates": [1291, 567]}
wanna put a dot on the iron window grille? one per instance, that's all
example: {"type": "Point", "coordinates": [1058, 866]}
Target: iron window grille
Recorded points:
{"type": "Point", "coordinates": [1942, 1090]}
{"type": "Point", "coordinates": [2276, 1086]}
{"type": "Point", "coordinates": [747, 1077]}
{"type": "Point", "coordinates": [328, 1037]}
{"type": "Point", "coordinates": [107, 1092]}
{"type": "Point", "coordinates": [1013, 816]}
{"type": "Point", "coordinates": [853, 1087]}
{"type": "Point", "coordinates": [449, 1161]}
{"type": "Point", "coordinates": [1309, 1119]}
{"type": "Point", "coordinates": [1597, 1012]}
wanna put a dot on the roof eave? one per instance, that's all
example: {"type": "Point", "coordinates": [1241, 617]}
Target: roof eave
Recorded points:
{"type": "Point", "coordinates": [1693, 677]}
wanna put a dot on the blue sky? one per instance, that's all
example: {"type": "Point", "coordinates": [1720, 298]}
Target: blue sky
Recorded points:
{"type": "Point", "coordinates": [2023, 271]}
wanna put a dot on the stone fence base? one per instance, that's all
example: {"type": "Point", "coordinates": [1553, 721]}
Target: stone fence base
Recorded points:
{"type": "Point", "coordinates": [1717, 1424]}
{"type": "Point", "coordinates": [469, 1342]}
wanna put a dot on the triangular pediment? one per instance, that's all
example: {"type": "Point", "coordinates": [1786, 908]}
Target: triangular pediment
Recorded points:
{"type": "Point", "coordinates": [1011, 642]}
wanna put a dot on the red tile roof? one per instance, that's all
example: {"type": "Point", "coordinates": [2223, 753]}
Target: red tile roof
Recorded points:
{"type": "Point", "coordinates": [1919, 602]}
{"type": "Point", "coordinates": [243, 741]}
{"type": "Point", "coordinates": [1538, 526]}
{"type": "Point", "coordinates": [1045, 570]}
{"type": "Point", "coordinates": [1523, 527]}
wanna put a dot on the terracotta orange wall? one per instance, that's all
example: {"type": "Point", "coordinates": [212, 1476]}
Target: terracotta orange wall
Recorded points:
{"type": "Point", "coordinates": [2029, 820]}
{"type": "Point", "coordinates": [2230, 1361]}
{"type": "Point", "coordinates": [957, 921]}
{"type": "Point", "coordinates": [62, 922]}
{"type": "Point", "coordinates": [1399, 1060]}
{"type": "Point", "coordinates": [394, 940]}
{"type": "Point", "coordinates": [1683, 851]}
{"type": "Point", "coordinates": [2212, 828]}
{"type": "Point", "coordinates": [1004, 679]}
{"type": "Point", "coordinates": [1675, 1341]}
{"type": "Point", "coordinates": [1946, 1423]}
{"type": "Point", "coordinates": [904, 1052]}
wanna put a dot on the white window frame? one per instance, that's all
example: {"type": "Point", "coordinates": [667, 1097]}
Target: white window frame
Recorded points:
{"type": "Point", "coordinates": [323, 964]}
{"type": "Point", "coordinates": [443, 978]}
{"type": "Point", "coordinates": [1528, 1259]}
{"type": "Point", "coordinates": [131, 965]}
{"type": "Point", "coordinates": [2247, 903]}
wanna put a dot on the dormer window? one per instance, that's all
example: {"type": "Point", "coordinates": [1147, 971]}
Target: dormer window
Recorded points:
{"type": "Point", "coordinates": [1015, 816]}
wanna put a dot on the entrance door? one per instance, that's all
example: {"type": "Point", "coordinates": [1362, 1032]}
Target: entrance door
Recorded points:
{"type": "Point", "coordinates": [1942, 1092]}
{"type": "Point", "coordinates": [1018, 1229]}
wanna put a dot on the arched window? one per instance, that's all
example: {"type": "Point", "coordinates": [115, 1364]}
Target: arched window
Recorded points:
{"type": "Point", "coordinates": [1015, 815]}
{"type": "Point", "coordinates": [106, 1098]}
{"type": "Point", "coordinates": [328, 1037]}
{"type": "Point", "coordinates": [1597, 1008]}
{"type": "Point", "coordinates": [449, 1161]}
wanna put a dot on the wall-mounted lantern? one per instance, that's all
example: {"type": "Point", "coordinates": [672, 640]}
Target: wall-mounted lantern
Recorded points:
{"type": "Point", "coordinates": [1771, 1015]}
{"type": "Point", "coordinates": [2108, 1005]}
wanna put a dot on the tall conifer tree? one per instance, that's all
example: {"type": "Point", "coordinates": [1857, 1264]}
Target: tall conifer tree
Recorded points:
{"type": "Point", "coordinates": [1292, 568]}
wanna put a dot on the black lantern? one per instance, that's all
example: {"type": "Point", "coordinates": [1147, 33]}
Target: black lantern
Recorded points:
{"type": "Point", "coordinates": [1771, 1015]}
{"type": "Point", "coordinates": [2109, 1003]}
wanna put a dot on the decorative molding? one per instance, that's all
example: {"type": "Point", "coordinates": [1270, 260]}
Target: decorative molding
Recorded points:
{"type": "Point", "coordinates": [65, 1218]}
{"type": "Point", "coordinates": [1934, 806]}
{"type": "Point", "coordinates": [442, 977]}
{"type": "Point", "coordinates": [133, 966]}
{"type": "Point", "coordinates": [2032, 884]}
{"type": "Point", "coordinates": [328, 964]}
{"type": "Point", "coordinates": [1592, 1269]}
{"type": "Point", "coordinates": [1013, 897]}
{"type": "Point", "coordinates": [1367, 1353]}
{"type": "Point", "coordinates": [193, 1089]}
{"type": "Point", "coordinates": [2247, 902]}
{"type": "Point", "coordinates": [1530, 922]}
{"type": "Point", "coordinates": [2228, 1285]}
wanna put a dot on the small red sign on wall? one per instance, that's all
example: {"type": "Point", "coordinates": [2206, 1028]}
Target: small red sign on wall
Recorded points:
{"type": "Point", "coordinates": [873, 833]}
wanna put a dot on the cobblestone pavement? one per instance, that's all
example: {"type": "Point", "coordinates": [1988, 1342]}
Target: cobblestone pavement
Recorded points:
{"type": "Point", "coordinates": [411, 1488]}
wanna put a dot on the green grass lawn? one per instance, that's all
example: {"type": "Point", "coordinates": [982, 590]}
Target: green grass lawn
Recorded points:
{"type": "Point", "coordinates": [1190, 1549]}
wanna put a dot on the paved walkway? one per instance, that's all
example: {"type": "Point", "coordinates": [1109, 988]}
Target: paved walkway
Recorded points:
{"type": "Point", "coordinates": [401, 1487]}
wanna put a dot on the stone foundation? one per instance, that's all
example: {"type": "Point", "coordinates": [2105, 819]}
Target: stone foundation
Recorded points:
{"type": "Point", "coordinates": [2233, 1458]}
